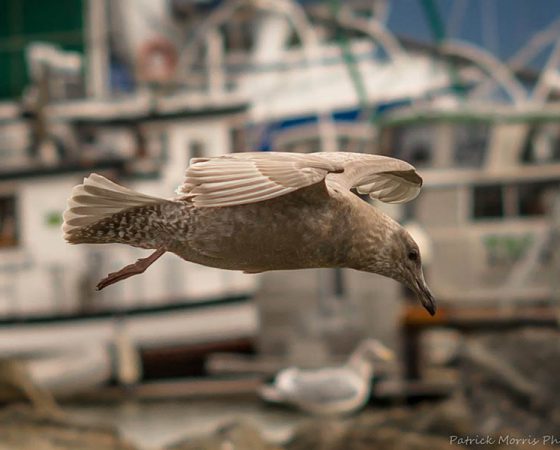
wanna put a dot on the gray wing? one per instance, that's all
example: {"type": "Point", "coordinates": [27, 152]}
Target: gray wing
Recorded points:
{"type": "Point", "coordinates": [381, 177]}
{"type": "Point", "coordinates": [252, 177]}
{"type": "Point", "coordinates": [325, 386]}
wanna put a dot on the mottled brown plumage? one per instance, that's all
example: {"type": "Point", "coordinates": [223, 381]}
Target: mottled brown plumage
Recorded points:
{"type": "Point", "coordinates": [262, 211]}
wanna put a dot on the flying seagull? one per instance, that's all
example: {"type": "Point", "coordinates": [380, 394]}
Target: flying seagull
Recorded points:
{"type": "Point", "coordinates": [329, 390]}
{"type": "Point", "coordinates": [261, 211]}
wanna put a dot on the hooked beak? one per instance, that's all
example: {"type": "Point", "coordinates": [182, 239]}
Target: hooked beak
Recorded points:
{"type": "Point", "coordinates": [421, 289]}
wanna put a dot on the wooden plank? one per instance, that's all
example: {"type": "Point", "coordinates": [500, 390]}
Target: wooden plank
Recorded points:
{"type": "Point", "coordinates": [465, 317]}
{"type": "Point", "coordinates": [176, 389]}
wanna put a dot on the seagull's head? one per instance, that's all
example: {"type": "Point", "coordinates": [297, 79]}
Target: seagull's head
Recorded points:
{"type": "Point", "coordinates": [368, 352]}
{"type": "Point", "coordinates": [408, 268]}
{"type": "Point", "coordinates": [397, 256]}
{"type": "Point", "coordinates": [373, 350]}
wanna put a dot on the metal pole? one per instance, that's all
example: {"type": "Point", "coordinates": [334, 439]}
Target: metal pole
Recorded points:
{"type": "Point", "coordinates": [96, 48]}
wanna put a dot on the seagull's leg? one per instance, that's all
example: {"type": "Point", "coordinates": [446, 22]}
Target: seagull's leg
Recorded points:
{"type": "Point", "coordinates": [132, 269]}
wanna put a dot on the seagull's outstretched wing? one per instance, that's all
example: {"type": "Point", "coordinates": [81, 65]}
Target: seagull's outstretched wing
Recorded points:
{"type": "Point", "coordinates": [381, 177]}
{"type": "Point", "coordinates": [252, 177]}
{"type": "Point", "coordinates": [240, 178]}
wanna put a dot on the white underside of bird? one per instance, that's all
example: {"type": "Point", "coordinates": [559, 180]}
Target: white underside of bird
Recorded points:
{"type": "Point", "coordinates": [326, 391]}
{"type": "Point", "coordinates": [333, 390]}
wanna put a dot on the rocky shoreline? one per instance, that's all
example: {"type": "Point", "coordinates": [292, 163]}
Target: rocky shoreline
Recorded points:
{"type": "Point", "coordinates": [431, 426]}
{"type": "Point", "coordinates": [508, 398]}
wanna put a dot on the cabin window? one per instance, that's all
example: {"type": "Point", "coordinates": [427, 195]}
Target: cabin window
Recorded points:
{"type": "Point", "coordinates": [471, 140]}
{"type": "Point", "coordinates": [542, 145]}
{"type": "Point", "coordinates": [438, 207]}
{"type": "Point", "coordinates": [349, 144]}
{"type": "Point", "coordinates": [356, 141]}
{"type": "Point", "coordinates": [307, 145]}
{"type": "Point", "coordinates": [157, 144]}
{"type": "Point", "coordinates": [8, 221]}
{"type": "Point", "coordinates": [196, 149]}
{"type": "Point", "coordinates": [521, 200]}
{"type": "Point", "coordinates": [535, 198]}
{"type": "Point", "coordinates": [238, 32]}
{"type": "Point", "coordinates": [238, 139]}
{"type": "Point", "coordinates": [414, 144]}
{"type": "Point", "coordinates": [488, 202]}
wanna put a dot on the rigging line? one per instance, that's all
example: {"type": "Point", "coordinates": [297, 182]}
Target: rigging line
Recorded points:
{"type": "Point", "coordinates": [456, 18]}
{"type": "Point", "coordinates": [491, 65]}
{"type": "Point", "coordinates": [365, 112]}
{"type": "Point", "coordinates": [349, 58]}
{"type": "Point", "coordinates": [374, 30]}
{"type": "Point", "coordinates": [544, 84]}
{"type": "Point", "coordinates": [489, 25]}
{"type": "Point", "coordinates": [535, 45]}
{"type": "Point", "coordinates": [437, 27]}
{"type": "Point", "coordinates": [538, 42]}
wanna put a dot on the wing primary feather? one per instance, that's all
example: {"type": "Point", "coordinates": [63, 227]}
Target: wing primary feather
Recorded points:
{"type": "Point", "coordinates": [230, 185]}
{"type": "Point", "coordinates": [205, 178]}
{"type": "Point", "coordinates": [242, 201]}
{"type": "Point", "coordinates": [207, 173]}
{"type": "Point", "coordinates": [256, 176]}
{"type": "Point", "coordinates": [376, 185]}
{"type": "Point", "coordinates": [242, 192]}
{"type": "Point", "coordinates": [237, 191]}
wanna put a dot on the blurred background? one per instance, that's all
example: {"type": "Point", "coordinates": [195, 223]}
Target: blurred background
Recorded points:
{"type": "Point", "coordinates": [467, 91]}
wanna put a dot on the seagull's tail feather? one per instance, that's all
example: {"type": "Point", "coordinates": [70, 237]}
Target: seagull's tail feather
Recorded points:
{"type": "Point", "coordinates": [100, 211]}
{"type": "Point", "coordinates": [271, 394]}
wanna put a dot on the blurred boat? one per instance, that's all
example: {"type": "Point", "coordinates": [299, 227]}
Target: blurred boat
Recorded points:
{"type": "Point", "coordinates": [73, 371]}
{"type": "Point", "coordinates": [48, 302]}
{"type": "Point", "coordinates": [250, 75]}
{"type": "Point", "coordinates": [491, 177]}
{"type": "Point", "coordinates": [256, 75]}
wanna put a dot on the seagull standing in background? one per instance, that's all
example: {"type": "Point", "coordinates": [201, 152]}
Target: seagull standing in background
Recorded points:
{"type": "Point", "coordinates": [330, 390]}
{"type": "Point", "coordinates": [261, 211]}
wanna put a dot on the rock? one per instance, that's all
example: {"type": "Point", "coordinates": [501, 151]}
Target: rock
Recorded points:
{"type": "Point", "coordinates": [318, 434]}
{"type": "Point", "coordinates": [383, 438]}
{"type": "Point", "coordinates": [423, 427]}
{"type": "Point", "coordinates": [511, 380]}
{"type": "Point", "coordinates": [16, 384]}
{"type": "Point", "coordinates": [22, 428]}
{"type": "Point", "coordinates": [426, 427]}
{"type": "Point", "coordinates": [446, 418]}
{"type": "Point", "coordinates": [234, 436]}
{"type": "Point", "coordinates": [398, 428]}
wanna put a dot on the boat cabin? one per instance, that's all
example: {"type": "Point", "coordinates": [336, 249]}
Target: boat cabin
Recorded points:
{"type": "Point", "coordinates": [490, 182]}
{"type": "Point", "coordinates": [145, 145]}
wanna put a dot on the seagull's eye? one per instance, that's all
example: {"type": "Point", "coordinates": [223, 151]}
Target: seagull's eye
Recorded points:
{"type": "Point", "coordinates": [413, 255]}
